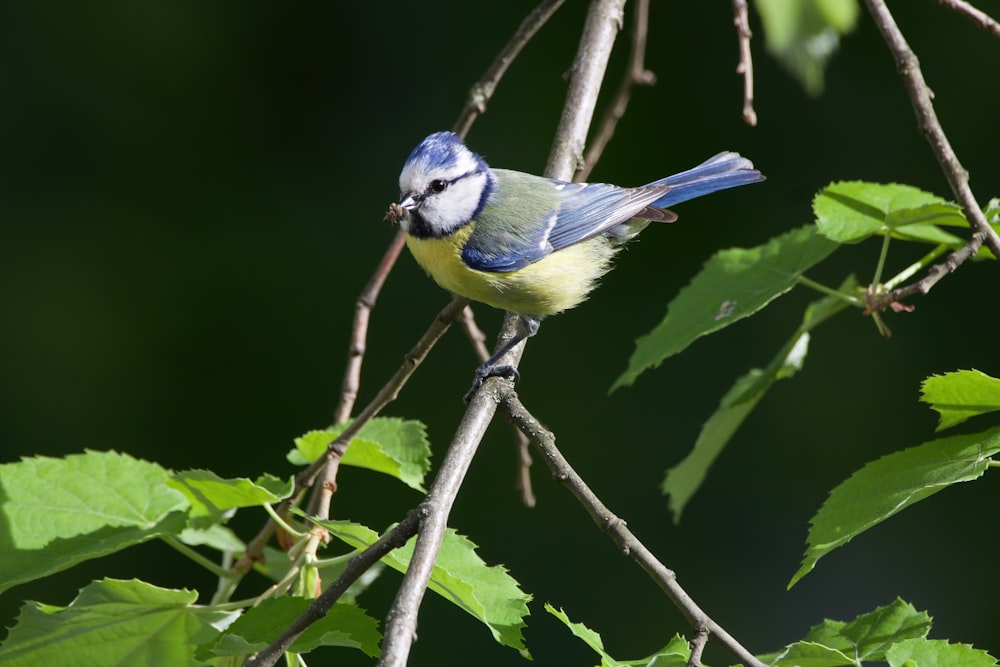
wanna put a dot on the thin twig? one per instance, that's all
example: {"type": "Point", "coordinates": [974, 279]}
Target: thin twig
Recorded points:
{"type": "Point", "coordinates": [320, 607]}
{"type": "Point", "coordinates": [958, 178]}
{"type": "Point", "coordinates": [401, 621]}
{"type": "Point", "coordinates": [745, 67]}
{"type": "Point", "coordinates": [483, 90]}
{"type": "Point", "coordinates": [359, 330]}
{"type": "Point", "coordinates": [336, 449]}
{"type": "Point", "coordinates": [977, 16]}
{"type": "Point", "coordinates": [636, 75]}
{"type": "Point", "coordinates": [697, 646]}
{"type": "Point", "coordinates": [478, 340]}
{"type": "Point", "coordinates": [604, 19]}
{"type": "Point", "coordinates": [615, 528]}
{"type": "Point", "coordinates": [600, 29]}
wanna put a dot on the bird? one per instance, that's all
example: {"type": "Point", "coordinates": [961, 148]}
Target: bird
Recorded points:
{"type": "Point", "coordinates": [527, 244]}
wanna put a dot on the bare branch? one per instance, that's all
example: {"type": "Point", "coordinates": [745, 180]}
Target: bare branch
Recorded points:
{"type": "Point", "coordinates": [600, 29]}
{"type": "Point", "coordinates": [928, 124]}
{"type": "Point", "coordinates": [336, 449]}
{"type": "Point", "coordinates": [320, 607]}
{"type": "Point", "coordinates": [483, 90]}
{"type": "Point", "coordinates": [401, 621]}
{"type": "Point", "coordinates": [977, 16]}
{"type": "Point", "coordinates": [615, 528]}
{"type": "Point", "coordinates": [742, 22]}
{"type": "Point", "coordinates": [604, 20]}
{"type": "Point", "coordinates": [636, 75]}
{"type": "Point", "coordinates": [359, 330]}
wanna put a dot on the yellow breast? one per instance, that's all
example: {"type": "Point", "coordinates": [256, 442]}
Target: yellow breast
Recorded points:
{"type": "Point", "coordinates": [555, 283]}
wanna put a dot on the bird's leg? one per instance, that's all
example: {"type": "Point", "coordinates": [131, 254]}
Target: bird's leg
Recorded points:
{"type": "Point", "coordinates": [527, 326]}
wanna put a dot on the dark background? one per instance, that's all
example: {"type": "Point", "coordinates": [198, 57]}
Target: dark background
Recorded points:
{"type": "Point", "coordinates": [192, 197]}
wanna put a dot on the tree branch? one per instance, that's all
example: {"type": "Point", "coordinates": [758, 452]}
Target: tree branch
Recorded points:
{"type": "Point", "coordinates": [600, 29]}
{"type": "Point", "coordinates": [336, 449]}
{"type": "Point", "coordinates": [483, 90]}
{"type": "Point", "coordinates": [928, 125]}
{"type": "Point", "coordinates": [320, 607]}
{"type": "Point", "coordinates": [742, 22]}
{"type": "Point", "coordinates": [977, 16]}
{"type": "Point", "coordinates": [616, 529]}
{"type": "Point", "coordinates": [636, 75]}
{"type": "Point", "coordinates": [359, 330]}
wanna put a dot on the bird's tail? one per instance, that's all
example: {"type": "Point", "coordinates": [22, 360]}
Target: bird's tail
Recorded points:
{"type": "Point", "coordinates": [725, 170]}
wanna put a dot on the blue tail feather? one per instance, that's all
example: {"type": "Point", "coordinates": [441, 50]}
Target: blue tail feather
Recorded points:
{"type": "Point", "coordinates": [725, 170]}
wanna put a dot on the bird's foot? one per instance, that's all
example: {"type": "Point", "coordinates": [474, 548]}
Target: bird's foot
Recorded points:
{"type": "Point", "coordinates": [491, 370]}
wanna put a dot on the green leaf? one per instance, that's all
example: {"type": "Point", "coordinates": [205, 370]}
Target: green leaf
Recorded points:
{"type": "Point", "coordinates": [112, 622]}
{"type": "Point", "coordinates": [215, 536]}
{"type": "Point", "coordinates": [486, 592]}
{"type": "Point", "coordinates": [960, 395]}
{"type": "Point", "coordinates": [685, 478]}
{"type": "Point", "coordinates": [804, 34]}
{"type": "Point", "coordinates": [211, 495]}
{"type": "Point", "coordinates": [937, 653]}
{"type": "Point", "coordinates": [851, 211]}
{"type": "Point", "coordinates": [734, 284]}
{"type": "Point", "coordinates": [892, 483]}
{"type": "Point", "coordinates": [391, 446]}
{"type": "Point", "coordinates": [344, 625]}
{"type": "Point", "coordinates": [865, 639]}
{"type": "Point", "coordinates": [59, 512]}
{"type": "Point", "coordinates": [675, 654]}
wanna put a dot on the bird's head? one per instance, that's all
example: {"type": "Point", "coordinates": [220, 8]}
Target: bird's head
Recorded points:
{"type": "Point", "coordinates": [442, 187]}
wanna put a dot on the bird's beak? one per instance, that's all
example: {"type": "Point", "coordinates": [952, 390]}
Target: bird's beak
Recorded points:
{"type": "Point", "coordinates": [408, 203]}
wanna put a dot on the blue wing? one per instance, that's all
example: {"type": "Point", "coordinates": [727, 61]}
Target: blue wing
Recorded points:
{"type": "Point", "coordinates": [529, 217]}
{"type": "Point", "coordinates": [544, 215]}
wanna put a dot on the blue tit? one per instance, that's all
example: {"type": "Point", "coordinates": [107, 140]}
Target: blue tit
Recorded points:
{"type": "Point", "coordinates": [527, 244]}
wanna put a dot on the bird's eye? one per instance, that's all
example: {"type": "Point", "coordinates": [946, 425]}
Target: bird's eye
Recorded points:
{"type": "Point", "coordinates": [437, 185]}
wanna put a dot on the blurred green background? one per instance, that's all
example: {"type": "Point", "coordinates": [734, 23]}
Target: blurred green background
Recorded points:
{"type": "Point", "coordinates": [192, 197]}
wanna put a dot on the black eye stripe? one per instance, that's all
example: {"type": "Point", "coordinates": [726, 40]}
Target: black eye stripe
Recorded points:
{"type": "Point", "coordinates": [444, 184]}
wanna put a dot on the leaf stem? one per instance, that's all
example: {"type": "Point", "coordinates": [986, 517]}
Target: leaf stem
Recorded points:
{"type": "Point", "coordinates": [281, 522]}
{"type": "Point", "coordinates": [829, 291]}
{"type": "Point", "coordinates": [917, 266]}
{"type": "Point", "coordinates": [883, 253]}
{"type": "Point", "coordinates": [206, 563]}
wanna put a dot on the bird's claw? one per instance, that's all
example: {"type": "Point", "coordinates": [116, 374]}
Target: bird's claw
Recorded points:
{"type": "Point", "coordinates": [485, 371]}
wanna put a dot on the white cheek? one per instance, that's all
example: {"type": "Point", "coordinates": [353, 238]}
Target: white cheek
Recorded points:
{"type": "Point", "coordinates": [454, 207]}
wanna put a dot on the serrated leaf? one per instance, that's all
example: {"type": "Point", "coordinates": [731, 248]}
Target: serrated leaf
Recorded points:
{"type": "Point", "coordinates": [807, 654]}
{"type": "Point", "coordinates": [960, 395]}
{"type": "Point", "coordinates": [675, 654]}
{"type": "Point", "coordinates": [59, 512]}
{"type": "Point", "coordinates": [210, 494]}
{"type": "Point", "coordinates": [851, 211]}
{"type": "Point", "coordinates": [388, 445]}
{"type": "Point", "coordinates": [937, 653]}
{"type": "Point", "coordinates": [733, 284]}
{"type": "Point", "coordinates": [486, 592]}
{"type": "Point", "coordinates": [344, 625]}
{"type": "Point", "coordinates": [112, 622]}
{"type": "Point", "coordinates": [865, 639]}
{"type": "Point", "coordinates": [684, 479]}
{"type": "Point", "coordinates": [804, 34]}
{"type": "Point", "coordinates": [887, 486]}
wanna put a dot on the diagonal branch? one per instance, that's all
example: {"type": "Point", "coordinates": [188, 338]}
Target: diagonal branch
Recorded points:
{"type": "Point", "coordinates": [320, 607]}
{"type": "Point", "coordinates": [483, 90]}
{"type": "Point", "coordinates": [624, 539]}
{"type": "Point", "coordinates": [636, 75]}
{"type": "Point", "coordinates": [600, 29]}
{"type": "Point", "coordinates": [977, 16]}
{"type": "Point", "coordinates": [929, 125]}
{"type": "Point", "coordinates": [742, 22]}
